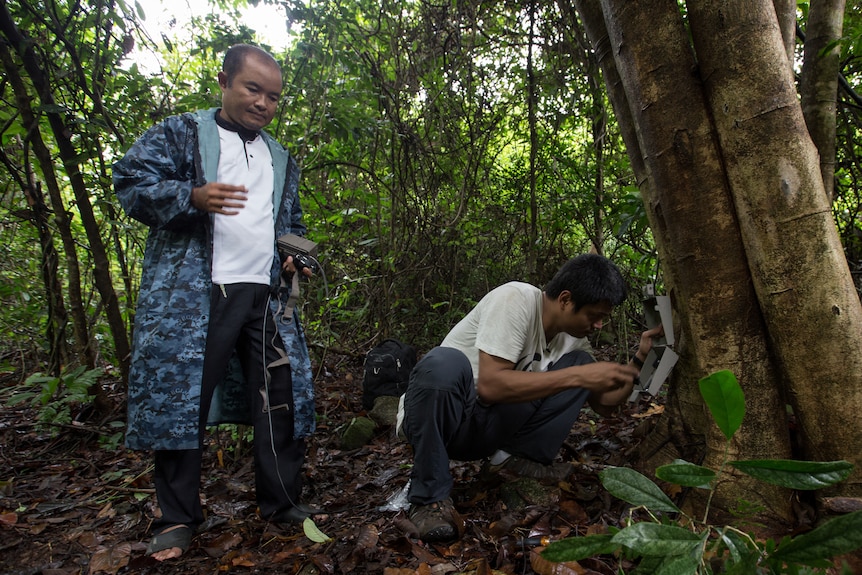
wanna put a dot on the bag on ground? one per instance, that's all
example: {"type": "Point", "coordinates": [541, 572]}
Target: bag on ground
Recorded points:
{"type": "Point", "coordinates": [387, 370]}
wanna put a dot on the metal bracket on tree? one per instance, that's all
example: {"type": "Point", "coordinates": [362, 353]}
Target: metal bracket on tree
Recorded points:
{"type": "Point", "coordinates": [661, 358]}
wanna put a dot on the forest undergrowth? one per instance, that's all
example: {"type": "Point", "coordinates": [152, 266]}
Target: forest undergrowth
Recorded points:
{"type": "Point", "coordinates": [70, 505]}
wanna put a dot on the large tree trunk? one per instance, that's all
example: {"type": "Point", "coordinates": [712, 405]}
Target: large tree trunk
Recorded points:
{"type": "Point", "coordinates": [797, 263]}
{"type": "Point", "coordinates": [818, 82]}
{"type": "Point", "coordinates": [785, 11]}
{"type": "Point", "coordinates": [694, 224]}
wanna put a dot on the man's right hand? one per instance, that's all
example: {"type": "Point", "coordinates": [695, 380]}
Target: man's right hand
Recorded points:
{"type": "Point", "coordinates": [605, 376]}
{"type": "Point", "coordinates": [219, 198]}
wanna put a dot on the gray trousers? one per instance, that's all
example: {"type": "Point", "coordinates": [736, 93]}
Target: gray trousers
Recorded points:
{"type": "Point", "coordinates": [443, 420]}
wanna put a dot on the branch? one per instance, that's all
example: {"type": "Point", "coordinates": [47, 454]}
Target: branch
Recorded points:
{"type": "Point", "coordinates": [842, 81]}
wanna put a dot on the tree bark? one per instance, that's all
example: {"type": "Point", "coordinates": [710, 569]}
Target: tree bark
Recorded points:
{"type": "Point", "coordinates": [797, 265]}
{"type": "Point", "coordinates": [785, 11]}
{"type": "Point", "coordinates": [694, 224]}
{"type": "Point", "coordinates": [534, 142]}
{"type": "Point", "coordinates": [818, 82]}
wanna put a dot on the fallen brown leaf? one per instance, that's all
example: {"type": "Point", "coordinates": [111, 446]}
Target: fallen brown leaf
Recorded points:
{"type": "Point", "coordinates": [367, 538]}
{"type": "Point", "coordinates": [544, 567]}
{"type": "Point", "coordinates": [89, 539]}
{"type": "Point", "coordinates": [243, 560]}
{"type": "Point", "coordinates": [222, 544]}
{"type": "Point", "coordinates": [107, 511]}
{"type": "Point", "coordinates": [653, 410]}
{"type": "Point", "coordinates": [10, 518]}
{"type": "Point", "coordinates": [110, 559]}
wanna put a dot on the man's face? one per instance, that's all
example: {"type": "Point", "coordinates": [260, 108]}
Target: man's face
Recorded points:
{"type": "Point", "coordinates": [251, 97]}
{"type": "Point", "coordinates": [589, 318]}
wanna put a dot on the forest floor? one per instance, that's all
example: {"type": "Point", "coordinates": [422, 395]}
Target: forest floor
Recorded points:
{"type": "Point", "coordinates": [70, 505]}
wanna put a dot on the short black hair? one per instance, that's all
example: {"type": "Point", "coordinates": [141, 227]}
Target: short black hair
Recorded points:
{"type": "Point", "coordinates": [591, 279]}
{"type": "Point", "coordinates": [235, 57]}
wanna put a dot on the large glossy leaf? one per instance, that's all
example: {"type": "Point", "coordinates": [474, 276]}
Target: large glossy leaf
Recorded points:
{"type": "Point", "coordinates": [632, 487]}
{"type": "Point", "coordinates": [796, 474]}
{"type": "Point", "coordinates": [577, 548]}
{"type": "Point", "coordinates": [654, 539]}
{"type": "Point", "coordinates": [725, 400]}
{"type": "Point", "coordinates": [685, 474]}
{"type": "Point", "coordinates": [685, 564]}
{"type": "Point", "coordinates": [735, 544]}
{"type": "Point", "coordinates": [836, 537]}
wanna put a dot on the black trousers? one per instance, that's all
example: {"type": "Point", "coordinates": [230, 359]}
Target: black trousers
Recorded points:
{"type": "Point", "coordinates": [443, 420]}
{"type": "Point", "coordinates": [240, 321]}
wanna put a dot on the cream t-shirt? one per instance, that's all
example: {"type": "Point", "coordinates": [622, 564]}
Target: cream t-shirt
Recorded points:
{"type": "Point", "coordinates": [507, 323]}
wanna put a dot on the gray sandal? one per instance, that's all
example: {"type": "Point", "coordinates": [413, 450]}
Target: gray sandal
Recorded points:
{"type": "Point", "coordinates": [179, 536]}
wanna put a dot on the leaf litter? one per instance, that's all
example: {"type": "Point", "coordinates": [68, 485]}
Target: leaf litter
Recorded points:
{"type": "Point", "coordinates": [69, 506]}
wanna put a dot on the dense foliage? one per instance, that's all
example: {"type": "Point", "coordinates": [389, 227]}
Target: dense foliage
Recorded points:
{"type": "Point", "coordinates": [446, 148]}
{"type": "Point", "coordinates": [685, 544]}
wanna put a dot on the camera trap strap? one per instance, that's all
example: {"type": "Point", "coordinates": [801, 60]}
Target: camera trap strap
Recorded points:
{"type": "Point", "coordinates": [293, 297]}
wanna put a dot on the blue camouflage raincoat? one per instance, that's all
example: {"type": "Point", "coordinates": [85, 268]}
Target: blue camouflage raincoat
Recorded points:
{"type": "Point", "coordinates": [154, 184]}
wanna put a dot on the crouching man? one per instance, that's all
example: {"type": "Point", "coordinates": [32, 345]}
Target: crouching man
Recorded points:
{"type": "Point", "coordinates": [509, 381]}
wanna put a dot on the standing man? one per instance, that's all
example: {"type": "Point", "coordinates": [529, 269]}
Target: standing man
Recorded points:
{"type": "Point", "coordinates": [508, 383]}
{"type": "Point", "coordinates": [213, 310]}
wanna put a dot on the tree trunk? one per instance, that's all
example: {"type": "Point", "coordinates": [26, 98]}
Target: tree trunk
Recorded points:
{"type": "Point", "coordinates": [785, 11]}
{"type": "Point", "coordinates": [534, 144]}
{"type": "Point", "coordinates": [598, 115]}
{"type": "Point", "coordinates": [818, 82]}
{"type": "Point", "coordinates": [690, 207]}
{"type": "Point", "coordinates": [55, 330]}
{"type": "Point", "coordinates": [797, 263]}
{"type": "Point", "coordinates": [599, 122]}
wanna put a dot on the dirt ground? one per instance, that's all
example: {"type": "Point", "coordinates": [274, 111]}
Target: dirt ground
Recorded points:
{"type": "Point", "coordinates": [69, 505]}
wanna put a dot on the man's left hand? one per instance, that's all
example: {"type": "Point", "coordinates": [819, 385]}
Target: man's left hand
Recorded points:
{"type": "Point", "coordinates": [288, 266]}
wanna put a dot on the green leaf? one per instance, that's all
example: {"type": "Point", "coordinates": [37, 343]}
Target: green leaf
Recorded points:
{"type": "Point", "coordinates": [21, 397]}
{"type": "Point", "coordinates": [735, 545]}
{"type": "Point", "coordinates": [725, 400]}
{"type": "Point", "coordinates": [577, 548]}
{"type": "Point", "coordinates": [38, 377]}
{"type": "Point", "coordinates": [685, 564]}
{"type": "Point", "coordinates": [795, 474]}
{"type": "Point", "coordinates": [746, 566]}
{"type": "Point", "coordinates": [836, 537]}
{"type": "Point", "coordinates": [309, 527]}
{"type": "Point", "coordinates": [653, 539]}
{"type": "Point", "coordinates": [685, 474]}
{"type": "Point", "coordinates": [632, 487]}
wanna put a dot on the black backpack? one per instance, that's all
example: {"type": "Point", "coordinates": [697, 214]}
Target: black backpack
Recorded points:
{"type": "Point", "coordinates": [387, 370]}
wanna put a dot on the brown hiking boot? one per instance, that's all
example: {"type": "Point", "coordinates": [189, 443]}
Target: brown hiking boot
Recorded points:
{"type": "Point", "coordinates": [435, 521]}
{"type": "Point", "coordinates": [522, 467]}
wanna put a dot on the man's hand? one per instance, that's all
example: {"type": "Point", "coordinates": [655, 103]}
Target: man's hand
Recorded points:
{"type": "Point", "coordinates": [617, 390]}
{"type": "Point", "coordinates": [604, 377]}
{"type": "Point", "coordinates": [499, 382]}
{"type": "Point", "coordinates": [604, 402]}
{"type": "Point", "coordinates": [646, 342]}
{"type": "Point", "coordinates": [219, 198]}
{"type": "Point", "coordinates": [287, 265]}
